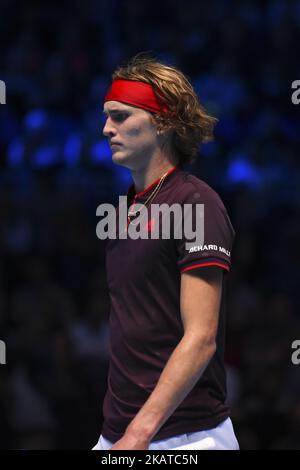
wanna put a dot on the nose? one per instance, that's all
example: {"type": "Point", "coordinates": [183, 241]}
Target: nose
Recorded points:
{"type": "Point", "coordinates": [108, 129]}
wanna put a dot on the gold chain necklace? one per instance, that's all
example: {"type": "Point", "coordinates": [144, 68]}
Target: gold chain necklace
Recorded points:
{"type": "Point", "coordinates": [152, 195]}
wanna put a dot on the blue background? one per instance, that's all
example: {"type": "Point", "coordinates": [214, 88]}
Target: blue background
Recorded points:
{"type": "Point", "coordinates": [56, 59]}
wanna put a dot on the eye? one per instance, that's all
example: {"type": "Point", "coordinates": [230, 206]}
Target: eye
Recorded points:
{"type": "Point", "coordinates": [119, 117]}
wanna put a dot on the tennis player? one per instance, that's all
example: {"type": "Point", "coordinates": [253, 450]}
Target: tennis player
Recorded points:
{"type": "Point", "coordinates": [166, 385]}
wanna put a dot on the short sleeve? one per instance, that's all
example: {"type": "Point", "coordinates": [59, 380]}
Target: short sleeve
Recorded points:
{"type": "Point", "coordinates": [216, 235]}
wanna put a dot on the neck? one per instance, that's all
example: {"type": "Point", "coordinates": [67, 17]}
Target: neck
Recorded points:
{"type": "Point", "coordinates": [143, 178]}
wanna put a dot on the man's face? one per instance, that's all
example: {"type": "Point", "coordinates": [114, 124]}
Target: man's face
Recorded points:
{"type": "Point", "coordinates": [134, 133]}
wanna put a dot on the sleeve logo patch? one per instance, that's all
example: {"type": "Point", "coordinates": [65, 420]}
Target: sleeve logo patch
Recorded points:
{"type": "Point", "coordinates": [220, 249]}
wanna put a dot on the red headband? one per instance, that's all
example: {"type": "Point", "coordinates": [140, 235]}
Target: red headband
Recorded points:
{"type": "Point", "coordinates": [138, 94]}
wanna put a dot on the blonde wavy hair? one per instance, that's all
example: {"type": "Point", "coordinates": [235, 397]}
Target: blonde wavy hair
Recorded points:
{"type": "Point", "coordinates": [191, 124]}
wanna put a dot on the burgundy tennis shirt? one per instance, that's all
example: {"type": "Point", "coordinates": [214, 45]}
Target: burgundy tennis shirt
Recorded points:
{"type": "Point", "coordinates": [145, 320]}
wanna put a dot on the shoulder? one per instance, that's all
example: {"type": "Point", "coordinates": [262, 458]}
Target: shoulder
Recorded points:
{"type": "Point", "coordinates": [192, 189]}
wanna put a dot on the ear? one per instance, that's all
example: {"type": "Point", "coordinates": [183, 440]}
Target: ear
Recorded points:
{"type": "Point", "coordinates": [165, 132]}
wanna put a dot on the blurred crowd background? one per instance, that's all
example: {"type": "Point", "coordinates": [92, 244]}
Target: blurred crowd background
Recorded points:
{"type": "Point", "coordinates": [56, 58]}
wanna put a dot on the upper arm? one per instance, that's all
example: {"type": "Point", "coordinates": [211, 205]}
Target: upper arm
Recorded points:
{"type": "Point", "coordinates": [200, 298]}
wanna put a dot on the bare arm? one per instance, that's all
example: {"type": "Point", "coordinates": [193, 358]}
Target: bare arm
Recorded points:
{"type": "Point", "coordinates": [199, 305]}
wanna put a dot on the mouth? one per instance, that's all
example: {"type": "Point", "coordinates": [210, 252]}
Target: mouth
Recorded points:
{"type": "Point", "coordinates": [115, 146]}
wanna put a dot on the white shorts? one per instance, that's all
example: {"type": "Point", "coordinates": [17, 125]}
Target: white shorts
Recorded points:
{"type": "Point", "coordinates": [221, 437]}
